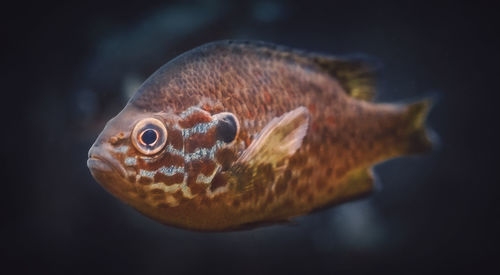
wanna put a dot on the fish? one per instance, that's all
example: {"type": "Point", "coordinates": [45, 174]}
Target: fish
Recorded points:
{"type": "Point", "coordinates": [234, 135]}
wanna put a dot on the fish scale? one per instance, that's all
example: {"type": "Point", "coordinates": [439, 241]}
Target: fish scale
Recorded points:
{"type": "Point", "coordinates": [305, 138]}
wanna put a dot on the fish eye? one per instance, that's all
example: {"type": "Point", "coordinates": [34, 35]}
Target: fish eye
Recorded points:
{"type": "Point", "coordinates": [149, 136]}
{"type": "Point", "coordinates": [228, 127]}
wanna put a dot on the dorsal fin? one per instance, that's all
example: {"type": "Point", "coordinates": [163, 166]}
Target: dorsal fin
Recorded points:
{"type": "Point", "coordinates": [355, 75]}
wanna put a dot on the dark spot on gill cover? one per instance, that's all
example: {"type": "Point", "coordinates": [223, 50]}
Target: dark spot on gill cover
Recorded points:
{"type": "Point", "coordinates": [227, 128]}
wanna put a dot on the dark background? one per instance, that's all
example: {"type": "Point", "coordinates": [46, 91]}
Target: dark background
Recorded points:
{"type": "Point", "coordinates": [68, 68]}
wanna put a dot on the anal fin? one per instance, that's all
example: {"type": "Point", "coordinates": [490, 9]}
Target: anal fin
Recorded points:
{"type": "Point", "coordinates": [357, 183]}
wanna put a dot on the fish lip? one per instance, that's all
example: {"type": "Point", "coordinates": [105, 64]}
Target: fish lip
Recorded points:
{"type": "Point", "coordinates": [97, 162]}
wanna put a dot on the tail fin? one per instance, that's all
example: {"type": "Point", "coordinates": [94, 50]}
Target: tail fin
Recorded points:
{"type": "Point", "coordinates": [417, 139]}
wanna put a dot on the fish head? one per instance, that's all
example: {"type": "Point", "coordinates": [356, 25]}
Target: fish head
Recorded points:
{"type": "Point", "coordinates": [177, 155]}
{"type": "Point", "coordinates": [131, 147]}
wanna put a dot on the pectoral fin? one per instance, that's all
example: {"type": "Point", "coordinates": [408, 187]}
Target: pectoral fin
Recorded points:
{"type": "Point", "coordinates": [279, 139]}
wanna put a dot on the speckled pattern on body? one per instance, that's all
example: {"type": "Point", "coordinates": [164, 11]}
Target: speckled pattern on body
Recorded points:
{"type": "Point", "coordinates": [197, 180]}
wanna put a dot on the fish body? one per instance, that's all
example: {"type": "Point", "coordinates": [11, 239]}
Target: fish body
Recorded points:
{"type": "Point", "coordinates": [235, 134]}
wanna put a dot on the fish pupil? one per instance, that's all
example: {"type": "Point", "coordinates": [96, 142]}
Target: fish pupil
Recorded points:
{"type": "Point", "coordinates": [149, 136]}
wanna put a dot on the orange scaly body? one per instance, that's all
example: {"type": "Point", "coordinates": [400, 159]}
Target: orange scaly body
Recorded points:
{"type": "Point", "coordinates": [233, 134]}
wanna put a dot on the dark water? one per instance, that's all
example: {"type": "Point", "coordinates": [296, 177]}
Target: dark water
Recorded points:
{"type": "Point", "coordinates": [71, 67]}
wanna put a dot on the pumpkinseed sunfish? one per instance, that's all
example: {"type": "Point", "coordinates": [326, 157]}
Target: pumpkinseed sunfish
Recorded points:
{"type": "Point", "coordinates": [236, 134]}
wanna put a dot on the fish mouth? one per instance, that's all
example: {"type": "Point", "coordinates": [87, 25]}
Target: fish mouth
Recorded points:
{"type": "Point", "coordinates": [101, 161]}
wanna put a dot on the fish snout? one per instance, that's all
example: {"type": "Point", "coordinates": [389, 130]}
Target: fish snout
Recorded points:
{"type": "Point", "coordinates": [100, 160]}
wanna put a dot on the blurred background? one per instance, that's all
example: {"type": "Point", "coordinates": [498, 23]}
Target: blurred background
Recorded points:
{"type": "Point", "coordinates": [68, 68]}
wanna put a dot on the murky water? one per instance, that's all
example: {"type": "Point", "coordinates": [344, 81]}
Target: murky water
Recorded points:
{"type": "Point", "coordinates": [430, 211]}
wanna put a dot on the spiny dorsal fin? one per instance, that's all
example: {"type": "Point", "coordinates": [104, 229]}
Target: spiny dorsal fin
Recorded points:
{"type": "Point", "coordinates": [356, 76]}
